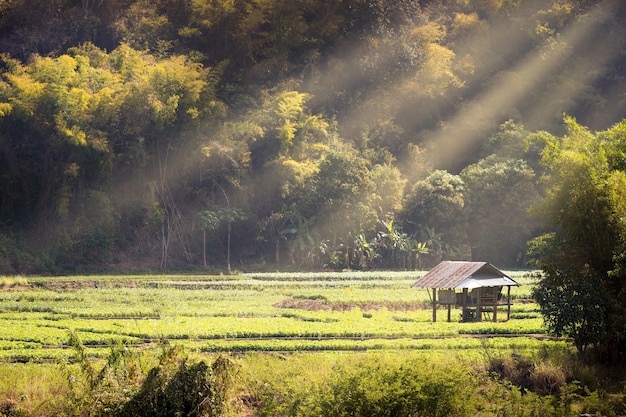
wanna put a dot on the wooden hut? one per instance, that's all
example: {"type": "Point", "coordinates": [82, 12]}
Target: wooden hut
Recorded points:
{"type": "Point", "coordinates": [480, 285]}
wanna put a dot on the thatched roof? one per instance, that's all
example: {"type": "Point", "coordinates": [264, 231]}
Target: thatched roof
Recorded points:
{"type": "Point", "coordinates": [461, 274]}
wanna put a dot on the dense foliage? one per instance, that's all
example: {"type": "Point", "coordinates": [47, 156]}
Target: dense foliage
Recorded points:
{"type": "Point", "coordinates": [141, 134]}
{"type": "Point", "coordinates": [582, 295]}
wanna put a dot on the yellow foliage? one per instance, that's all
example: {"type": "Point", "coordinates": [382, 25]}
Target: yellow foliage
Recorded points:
{"type": "Point", "coordinates": [300, 170]}
{"type": "Point", "coordinates": [286, 133]}
{"type": "Point", "coordinates": [289, 104]}
{"type": "Point", "coordinates": [193, 112]}
{"type": "Point", "coordinates": [430, 32]}
{"type": "Point", "coordinates": [77, 136]}
{"type": "Point", "coordinates": [295, 173]}
{"type": "Point", "coordinates": [27, 92]}
{"type": "Point", "coordinates": [74, 135]}
{"type": "Point", "coordinates": [102, 99]}
{"type": "Point", "coordinates": [77, 101]}
{"type": "Point", "coordinates": [187, 32]}
{"type": "Point", "coordinates": [617, 186]}
{"type": "Point", "coordinates": [436, 74]}
{"type": "Point", "coordinates": [206, 13]}
{"type": "Point", "coordinates": [5, 109]}
{"type": "Point", "coordinates": [319, 148]}
{"type": "Point", "coordinates": [556, 16]}
{"type": "Point", "coordinates": [463, 23]}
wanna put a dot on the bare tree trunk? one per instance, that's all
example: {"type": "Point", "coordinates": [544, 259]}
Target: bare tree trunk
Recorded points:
{"type": "Point", "coordinates": [204, 247]}
{"type": "Point", "coordinates": [172, 224]}
{"type": "Point", "coordinates": [165, 241]}
{"type": "Point", "coordinates": [228, 251]}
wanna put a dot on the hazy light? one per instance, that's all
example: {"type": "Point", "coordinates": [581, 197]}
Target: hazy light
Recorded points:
{"type": "Point", "coordinates": [460, 133]}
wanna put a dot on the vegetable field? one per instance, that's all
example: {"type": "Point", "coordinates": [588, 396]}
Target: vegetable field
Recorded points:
{"type": "Point", "coordinates": [249, 312]}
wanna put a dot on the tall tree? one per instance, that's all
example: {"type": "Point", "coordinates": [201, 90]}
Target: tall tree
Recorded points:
{"type": "Point", "coordinates": [206, 220]}
{"type": "Point", "coordinates": [229, 215]}
{"type": "Point", "coordinates": [436, 203]}
{"type": "Point", "coordinates": [582, 292]}
{"type": "Point", "coordinates": [498, 194]}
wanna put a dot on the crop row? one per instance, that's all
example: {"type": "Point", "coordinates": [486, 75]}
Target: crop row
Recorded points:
{"type": "Point", "coordinates": [332, 305]}
{"type": "Point", "coordinates": [168, 302]}
{"type": "Point", "coordinates": [458, 346]}
{"type": "Point", "coordinates": [310, 324]}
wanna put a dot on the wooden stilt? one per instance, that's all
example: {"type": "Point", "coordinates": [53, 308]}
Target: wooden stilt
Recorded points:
{"type": "Point", "coordinates": [508, 301]}
{"type": "Point", "coordinates": [434, 305]}
{"type": "Point", "coordinates": [496, 291]}
{"type": "Point", "coordinates": [479, 307]}
{"type": "Point", "coordinates": [464, 304]}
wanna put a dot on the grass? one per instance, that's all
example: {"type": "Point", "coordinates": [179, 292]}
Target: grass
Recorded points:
{"type": "Point", "coordinates": [341, 311]}
{"type": "Point", "coordinates": [12, 281]}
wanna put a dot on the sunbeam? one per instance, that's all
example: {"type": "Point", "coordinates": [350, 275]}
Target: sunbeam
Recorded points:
{"type": "Point", "coordinates": [541, 84]}
{"type": "Point", "coordinates": [460, 133]}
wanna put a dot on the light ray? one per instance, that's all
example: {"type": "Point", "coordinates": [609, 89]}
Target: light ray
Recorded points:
{"type": "Point", "coordinates": [460, 133]}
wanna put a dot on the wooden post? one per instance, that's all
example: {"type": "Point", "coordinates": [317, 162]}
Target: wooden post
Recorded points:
{"type": "Point", "coordinates": [508, 301]}
{"type": "Point", "coordinates": [434, 305]}
{"type": "Point", "coordinates": [479, 309]}
{"type": "Point", "coordinates": [449, 312]}
{"type": "Point", "coordinates": [495, 303]}
{"type": "Point", "coordinates": [464, 304]}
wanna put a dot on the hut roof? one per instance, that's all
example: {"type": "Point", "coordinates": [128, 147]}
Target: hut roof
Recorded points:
{"type": "Point", "coordinates": [461, 274]}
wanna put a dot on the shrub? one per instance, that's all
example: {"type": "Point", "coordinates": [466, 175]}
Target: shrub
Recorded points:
{"type": "Point", "coordinates": [513, 368]}
{"type": "Point", "coordinates": [12, 281]}
{"type": "Point", "coordinates": [382, 387]}
{"type": "Point", "coordinates": [188, 392]}
{"type": "Point", "coordinates": [542, 378]}
{"type": "Point", "coordinates": [546, 379]}
{"type": "Point", "coordinates": [173, 387]}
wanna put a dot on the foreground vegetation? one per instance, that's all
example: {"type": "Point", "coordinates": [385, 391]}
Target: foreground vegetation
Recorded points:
{"type": "Point", "coordinates": [280, 345]}
{"type": "Point", "coordinates": [377, 383]}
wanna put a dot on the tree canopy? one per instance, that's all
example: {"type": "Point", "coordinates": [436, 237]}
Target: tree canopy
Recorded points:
{"type": "Point", "coordinates": [582, 295]}
{"type": "Point", "coordinates": [352, 134]}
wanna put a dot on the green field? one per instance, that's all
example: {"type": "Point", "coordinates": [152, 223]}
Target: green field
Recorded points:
{"type": "Point", "coordinates": [294, 345]}
{"type": "Point", "coordinates": [247, 312]}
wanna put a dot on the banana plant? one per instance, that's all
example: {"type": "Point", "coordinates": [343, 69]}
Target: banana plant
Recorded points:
{"type": "Point", "coordinates": [230, 215]}
{"type": "Point", "coordinates": [206, 220]}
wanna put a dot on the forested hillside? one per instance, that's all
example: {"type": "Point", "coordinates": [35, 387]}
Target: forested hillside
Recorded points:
{"type": "Point", "coordinates": [272, 134]}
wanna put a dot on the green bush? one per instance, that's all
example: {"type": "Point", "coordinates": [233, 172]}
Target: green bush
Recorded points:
{"type": "Point", "coordinates": [188, 392]}
{"type": "Point", "coordinates": [14, 258]}
{"type": "Point", "coordinates": [174, 387]}
{"type": "Point", "coordinates": [382, 386]}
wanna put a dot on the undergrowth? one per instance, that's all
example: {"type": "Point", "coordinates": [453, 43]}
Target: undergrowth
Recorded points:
{"type": "Point", "coordinates": [172, 382]}
{"type": "Point", "coordinates": [126, 386]}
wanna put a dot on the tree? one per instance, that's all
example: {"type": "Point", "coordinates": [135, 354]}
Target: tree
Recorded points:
{"type": "Point", "coordinates": [206, 220]}
{"type": "Point", "coordinates": [303, 242]}
{"type": "Point", "coordinates": [341, 189]}
{"type": "Point", "coordinates": [230, 215]}
{"type": "Point", "coordinates": [90, 126]}
{"type": "Point", "coordinates": [143, 27]}
{"type": "Point", "coordinates": [436, 203]}
{"type": "Point", "coordinates": [55, 159]}
{"type": "Point", "coordinates": [273, 227]}
{"type": "Point", "coordinates": [582, 292]}
{"type": "Point", "coordinates": [498, 193]}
